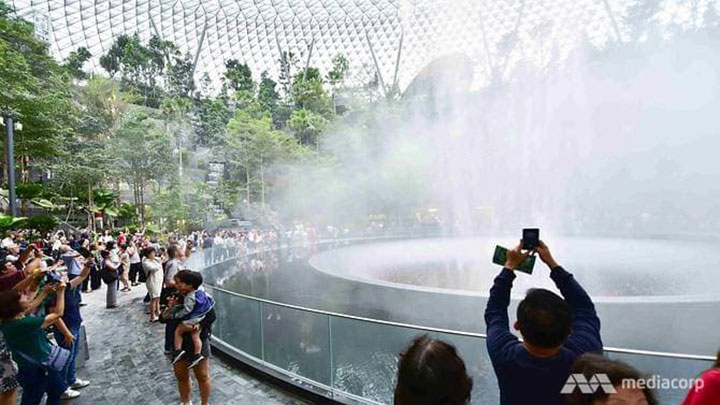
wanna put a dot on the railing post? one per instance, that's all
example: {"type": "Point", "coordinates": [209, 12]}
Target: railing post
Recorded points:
{"type": "Point", "coordinates": [262, 332]}
{"type": "Point", "coordinates": [332, 362]}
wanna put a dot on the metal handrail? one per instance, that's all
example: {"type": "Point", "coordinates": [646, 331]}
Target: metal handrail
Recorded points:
{"type": "Point", "coordinates": [683, 356]}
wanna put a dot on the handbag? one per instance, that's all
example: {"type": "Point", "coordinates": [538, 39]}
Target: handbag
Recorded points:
{"type": "Point", "coordinates": [108, 275]}
{"type": "Point", "coordinates": [57, 360]}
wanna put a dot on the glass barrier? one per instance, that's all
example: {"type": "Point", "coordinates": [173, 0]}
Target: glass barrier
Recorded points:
{"type": "Point", "coordinates": [354, 360]}
{"type": "Point", "coordinates": [238, 323]}
{"type": "Point", "coordinates": [298, 342]}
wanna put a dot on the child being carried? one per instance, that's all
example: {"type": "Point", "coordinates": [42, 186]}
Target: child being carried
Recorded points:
{"type": "Point", "coordinates": [195, 306]}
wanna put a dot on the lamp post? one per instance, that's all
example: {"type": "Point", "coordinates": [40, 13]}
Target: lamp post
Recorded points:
{"type": "Point", "coordinates": [9, 147]}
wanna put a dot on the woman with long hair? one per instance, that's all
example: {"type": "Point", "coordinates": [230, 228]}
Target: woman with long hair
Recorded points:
{"type": "Point", "coordinates": [154, 281]}
{"type": "Point", "coordinates": [706, 390]}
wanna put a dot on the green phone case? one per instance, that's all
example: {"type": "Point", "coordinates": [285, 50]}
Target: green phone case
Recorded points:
{"type": "Point", "coordinates": [500, 257]}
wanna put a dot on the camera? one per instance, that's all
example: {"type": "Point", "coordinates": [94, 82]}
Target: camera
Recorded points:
{"type": "Point", "coordinates": [52, 277]}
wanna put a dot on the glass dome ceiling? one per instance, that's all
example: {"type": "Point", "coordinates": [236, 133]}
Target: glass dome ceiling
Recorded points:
{"type": "Point", "coordinates": [395, 37]}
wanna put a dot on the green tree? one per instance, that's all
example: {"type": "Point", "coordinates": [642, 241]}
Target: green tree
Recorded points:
{"type": "Point", "coordinates": [308, 92]}
{"type": "Point", "coordinates": [267, 94]}
{"type": "Point", "coordinates": [102, 104]}
{"type": "Point", "coordinates": [180, 81]}
{"type": "Point", "coordinates": [238, 76]}
{"type": "Point", "coordinates": [210, 119]}
{"type": "Point", "coordinates": [35, 92]}
{"type": "Point", "coordinates": [83, 164]}
{"type": "Point", "coordinates": [5, 10]}
{"type": "Point", "coordinates": [141, 67]}
{"type": "Point", "coordinates": [176, 112]}
{"type": "Point", "coordinates": [341, 66]}
{"type": "Point", "coordinates": [307, 127]}
{"type": "Point", "coordinates": [255, 146]}
{"type": "Point", "coordinates": [170, 208]}
{"type": "Point", "coordinates": [112, 59]}
{"type": "Point", "coordinates": [336, 76]}
{"type": "Point", "coordinates": [288, 61]}
{"type": "Point", "coordinates": [142, 153]}
{"type": "Point", "coordinates": [75, 61]}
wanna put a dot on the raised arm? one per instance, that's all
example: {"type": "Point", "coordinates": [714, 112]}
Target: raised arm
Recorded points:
{"type": "Point", "coordinates": [59, 308]}
{"type": "Point", "coordinates": [31, 278]}
{"type": "Point", "coordinates": [26, 253]}
{"type": "Point", "coordinates": [499, 338]}
{"type": "Point", "coordinates": [40, 298]}
{"type": "Point", "coordinates": [586, 324]}
{"type": "Point", "coordinates": [85, 273]}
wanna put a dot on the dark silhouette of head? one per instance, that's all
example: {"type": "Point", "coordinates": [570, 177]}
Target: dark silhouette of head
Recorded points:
{"type": "Point", "coordinates": [544, 319]}
{"type": "Point", "coordinates": [148, 251]}
{"type": "Point", "coordinates": [430, 372]}
{"type": "Point", "coordinates": [172, 251]}
{"type": "Point", "coordinates": [10, 304]}
{"type": "Point", "coordinates": [590, 365]}
{"type": "Point", "coordinates": [189, 277]}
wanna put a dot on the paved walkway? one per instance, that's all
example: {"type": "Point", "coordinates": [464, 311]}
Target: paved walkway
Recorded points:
{"type": "Point", "coordinates": [127, 364]}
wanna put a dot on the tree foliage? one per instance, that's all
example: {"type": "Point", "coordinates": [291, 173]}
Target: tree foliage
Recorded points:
{"type": "Point", "coordinates": [75, 61]}
{"type": "Point", "coordinates": [254, 145]}
{"type": "Point", "coordinates": [308, 92]}
{"type": "Point", "coordinates": [238, 76]}
{"type": "Point", "coordinates": [35, 91]}
{"type": "Point", "coordinates": [141, 152]}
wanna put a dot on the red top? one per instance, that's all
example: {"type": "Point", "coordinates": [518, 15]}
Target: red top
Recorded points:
{"type": "Point", "coordinates": [706, 391]}
{"type": "Point", "coordinates": [8, 280]}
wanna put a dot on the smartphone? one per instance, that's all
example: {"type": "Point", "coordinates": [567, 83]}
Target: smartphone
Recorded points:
{"type": "Point", "coordinates": [530, 238]}
{"type": "Point", "coordinates": [500, 257]}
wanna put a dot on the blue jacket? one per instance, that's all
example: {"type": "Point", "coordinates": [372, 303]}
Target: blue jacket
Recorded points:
{"type": "Point", "coordinates": [196, 304]}
{"type": "Point", "coordinates": [522, 377]}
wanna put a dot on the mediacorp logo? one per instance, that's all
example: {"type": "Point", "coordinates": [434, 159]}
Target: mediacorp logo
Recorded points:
{"type": "Point", "coordinates": [588, 385]}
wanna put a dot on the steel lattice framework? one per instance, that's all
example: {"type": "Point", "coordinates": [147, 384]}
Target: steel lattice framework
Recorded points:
{"type": "Point", "coordinates": [395, 37]}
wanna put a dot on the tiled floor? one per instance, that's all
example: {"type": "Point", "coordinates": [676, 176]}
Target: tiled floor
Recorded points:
{"type": "Point", "coordinates": [127, 364]}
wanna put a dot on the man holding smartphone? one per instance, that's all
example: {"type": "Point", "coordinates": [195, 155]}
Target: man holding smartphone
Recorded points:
{"type": "Point", "coordinates": [555, 330]}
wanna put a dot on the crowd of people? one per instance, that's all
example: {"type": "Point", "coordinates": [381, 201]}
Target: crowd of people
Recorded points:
{"type": "Point", "coordinates": [41, 287]}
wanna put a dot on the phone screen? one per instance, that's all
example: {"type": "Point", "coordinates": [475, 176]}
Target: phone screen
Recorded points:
{"type": "Point", "coordinates": [531, 238]}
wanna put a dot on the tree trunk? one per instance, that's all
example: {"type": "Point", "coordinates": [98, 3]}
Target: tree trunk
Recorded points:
{"type": "Point", "coordinates": [142, 202]}
{"type": "Point", "coordinates": [262, 181]}
{"type": "Point", "coordinates": [247, 184]}
{"type": "Point", "coordinates": [70, 209]}
{"type": "Point", "coordinates": [91, 213]}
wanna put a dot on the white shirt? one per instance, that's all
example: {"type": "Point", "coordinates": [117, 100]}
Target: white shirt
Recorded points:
{"type": "Point", "coordinates": [7, 242]}
{"type": "Point", "coordinates": [135, 256]}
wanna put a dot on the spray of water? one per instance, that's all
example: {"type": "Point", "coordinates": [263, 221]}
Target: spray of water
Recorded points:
{"type": "Point", "coordinates": [615, 141]}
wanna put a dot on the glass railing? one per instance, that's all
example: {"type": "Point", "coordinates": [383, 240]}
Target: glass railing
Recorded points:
{"type": "Point", "coordinates": [353, 359]}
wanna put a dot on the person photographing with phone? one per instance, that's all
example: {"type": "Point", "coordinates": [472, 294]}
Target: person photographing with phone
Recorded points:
{"type": "Point", "coordinates": [556, 331]}
{"type": "Point", "coordinates": [39, 362]}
